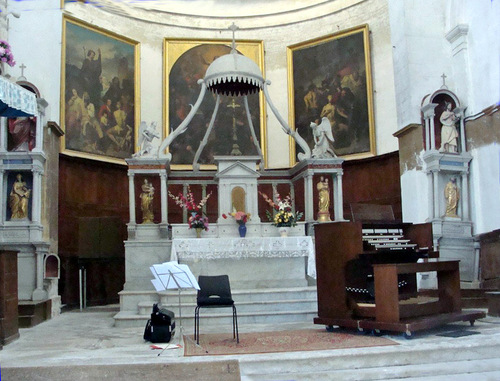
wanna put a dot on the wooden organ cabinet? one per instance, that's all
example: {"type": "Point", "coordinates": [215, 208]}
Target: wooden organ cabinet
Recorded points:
{"type": "Point", "coordinates": [366, 278]}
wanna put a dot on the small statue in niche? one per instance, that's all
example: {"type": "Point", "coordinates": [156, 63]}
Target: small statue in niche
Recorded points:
{"type": "Point", "coordinates": [147, 196]}
{"type": "Point", "coordinates": [323, 138]}
{"type": "Point", "coordinates": [323, 200]}
{"type": "Point", "coordinates": [452, 195]}
{"type": "Point", "coordinates": [22, 132]}
{"type": "Point", "coordinates": [19, 198]}
{"type": "Point", "coordinates": [449, 133]}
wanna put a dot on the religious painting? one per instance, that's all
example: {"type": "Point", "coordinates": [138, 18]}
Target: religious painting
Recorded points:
{"type": "Point", "coordinates": [99, 93]}
{"type": "Point", "coordinates": [186, 62]}
{"type": "Point", "coordinates": [330, 77]}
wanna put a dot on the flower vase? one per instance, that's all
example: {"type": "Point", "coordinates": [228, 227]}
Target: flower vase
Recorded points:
{"type": "Point", "coordinates": [284, 231]}
{"type": "Point", "coordinates": [198, 232]}
{"type": "Point", "coordinates": [242, 229]}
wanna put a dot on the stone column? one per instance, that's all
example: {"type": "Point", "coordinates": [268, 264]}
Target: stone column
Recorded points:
{"type": "Point", "coordinates": [39, 293]}
{"type": "Point", "coordinates": [338, 197]}
{"type": "Point", "coordinates": [435, 192]}
{"type": "Point", "coordinates": [3, 134]}
{"type": "Point", "coordinates": [36, 196]}
{"type": "Point", "coordinates": [131, 197]}
{"type": "Point", "coordinates": [308, 198]}
{"type": "Point", "coordinates": [430, 135]}
{"type": "Point", "coordinates": [464, 197]}
{"type": "Point", "coordinates": [463, 146]}
{"type": "Point", "coordinates": [164, 198]}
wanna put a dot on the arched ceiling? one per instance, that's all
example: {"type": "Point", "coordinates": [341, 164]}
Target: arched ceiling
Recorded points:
{"type": "Point", "coordinates": [214, 14]}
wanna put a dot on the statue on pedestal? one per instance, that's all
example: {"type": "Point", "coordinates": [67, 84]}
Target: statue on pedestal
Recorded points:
{"type": "Point", "coordinates": [323, 139]}
{"type": "Point", "coordinates": [18, 199]}
{"type": "Point", "coordinates": [146, 137]}
{"type": "Point", "coordinates": [449, 133]}
{"type": "Point", "coordinates": [147, 196]}
{"type": "Point", "coordinates": [323, 200]}
{"type": "Point", "coordinates": [452, 195]}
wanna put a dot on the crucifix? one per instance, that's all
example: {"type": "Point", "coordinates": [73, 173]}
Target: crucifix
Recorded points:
{"type": "Point", "coordinates": [236, 150]}
{"type": "Point", "coordinates": [233, 28]}
{"type": "Point", "coordinates": [444, 81]}
{"type": "Point", "coordinates": [22, 67]}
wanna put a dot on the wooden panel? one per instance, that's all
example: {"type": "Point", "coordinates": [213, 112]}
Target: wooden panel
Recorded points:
{"type": "Point", "coordinates": [336, 243]}
{"type": "Point", "coordinates": [374, 180]}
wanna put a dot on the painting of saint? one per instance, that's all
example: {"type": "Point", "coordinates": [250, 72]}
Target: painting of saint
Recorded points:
{"type": "Point", "coordinates": [99, 97]}
{"type": "Point", "coordinates": [231, 132]}
{"type": "Point", "coordinates": [331, 78]}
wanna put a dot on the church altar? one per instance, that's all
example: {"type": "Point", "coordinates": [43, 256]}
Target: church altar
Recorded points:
{"type": "Point", "coordinates": [259, 262]}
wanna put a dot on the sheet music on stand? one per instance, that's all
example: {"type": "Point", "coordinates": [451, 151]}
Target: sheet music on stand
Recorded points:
{"type": "Point", "coordinates": [173, 275]}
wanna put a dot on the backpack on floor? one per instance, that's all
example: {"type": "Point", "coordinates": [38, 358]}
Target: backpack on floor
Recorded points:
{"type": "Point", "coordinates": [161, 327]}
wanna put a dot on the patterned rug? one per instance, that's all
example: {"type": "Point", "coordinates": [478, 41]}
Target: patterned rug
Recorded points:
{"type": "Point", "coordinates": [279, 341]}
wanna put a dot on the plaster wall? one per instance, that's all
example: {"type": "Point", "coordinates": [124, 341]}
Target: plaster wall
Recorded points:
{"type": "Point", "coordinates": [36, 38]}
{"type": "Point", "coordinates": [422, 53]}
{"type": "Point", "coordinates": [485, 188]}
{"type": "Point", "coordinates": [415, 204]}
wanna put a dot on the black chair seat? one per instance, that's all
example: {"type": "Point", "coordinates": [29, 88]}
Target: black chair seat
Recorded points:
{"type": "Point", "coordinates": [214, 292]}
{"type": "Point", "coordinates": [214, 302]}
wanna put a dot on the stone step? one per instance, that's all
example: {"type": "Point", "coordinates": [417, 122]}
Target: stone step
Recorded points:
{"type": "Point", "coordinates": [125, 319]}
{"type": "Point", "coordinates": [145, 308]}
{"type": "Point", "coordinates": [130, 300]}
{"type": "Point", "coordinates": [254, 306]}
{"type": "Point", "coordinates": [434, 361]}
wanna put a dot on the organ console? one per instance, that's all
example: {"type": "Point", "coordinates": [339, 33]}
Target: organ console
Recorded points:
{"type": "Point", "coordinates": [366, 278]}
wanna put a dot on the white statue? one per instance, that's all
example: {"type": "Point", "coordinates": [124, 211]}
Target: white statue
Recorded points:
{"type": "Point", "coordinates": [323, 138]}
{"type": "Point", "coordinates": [147, 134]}
{"type": "Point", "coordinates": [449, 133]}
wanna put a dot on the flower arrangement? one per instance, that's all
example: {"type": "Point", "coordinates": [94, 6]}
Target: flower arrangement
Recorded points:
{"type": "Point", "coordinates": [284, 216]}
{"type": "Point", "coordinates": [6, 53]}
{"type": "Point", "coordinates": [196, 219]}
{"type": "Point", "coordinates": [241, 218]}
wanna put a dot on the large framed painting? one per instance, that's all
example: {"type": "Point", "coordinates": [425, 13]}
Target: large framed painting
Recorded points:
{"type": "Point", "coordinates": [186, 61]}
{"type": "Point", "coordinates": [99, 93]}
{"type": "Point", "coordinates": [331, 77]}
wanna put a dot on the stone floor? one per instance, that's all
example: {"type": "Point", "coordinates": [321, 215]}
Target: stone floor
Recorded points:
{"type": "Point", "coordinates": [89, 340]}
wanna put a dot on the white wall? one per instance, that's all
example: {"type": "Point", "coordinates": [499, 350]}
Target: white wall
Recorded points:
{"type": "Point", "coordinates": [422, 51]}
{"type": "Point", "coordinates": [485, 189]}
{"type": "Point", "coordinates": [35, 39]}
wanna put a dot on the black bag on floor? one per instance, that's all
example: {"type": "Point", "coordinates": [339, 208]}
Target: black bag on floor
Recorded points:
{"type": "Point", "coordinates": [161, 327]}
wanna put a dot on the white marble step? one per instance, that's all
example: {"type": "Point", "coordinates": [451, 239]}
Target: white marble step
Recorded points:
{"type": "Point", "coordinates": [125, 319]}
{"type": "Point", "coordinates": [145, 308]}
{"type": "Point", "coordinates": [261, 306]}
{"type": "Point", "coordinates": [478, 360]}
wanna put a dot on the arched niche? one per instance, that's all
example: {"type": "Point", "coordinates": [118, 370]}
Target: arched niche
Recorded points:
{"type": "Point", "coordinates": [51, 267]}
{"type": "Point", "coordinates": [433, 106]}
{"type": "Point", "coordinates": [238, 196]}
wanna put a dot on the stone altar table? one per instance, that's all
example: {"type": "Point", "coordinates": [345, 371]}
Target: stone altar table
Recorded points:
{"type": "Point", "coordinates": [260, 262]}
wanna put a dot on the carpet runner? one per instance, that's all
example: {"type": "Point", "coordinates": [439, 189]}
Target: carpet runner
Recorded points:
{"type": "Point", "coordinates": [279, 341]}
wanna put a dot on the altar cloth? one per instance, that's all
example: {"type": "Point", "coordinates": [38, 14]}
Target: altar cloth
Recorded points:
{"type": "Point", "coordinates": [196, 249]}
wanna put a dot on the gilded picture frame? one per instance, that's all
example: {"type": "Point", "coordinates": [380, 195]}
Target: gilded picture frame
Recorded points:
{"type": "Point", "coordinates": [331, 77]}
{"type": "Point", "coordinates": [100, 105]}
{"type": "Point", "coordinates": [185, 62]}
